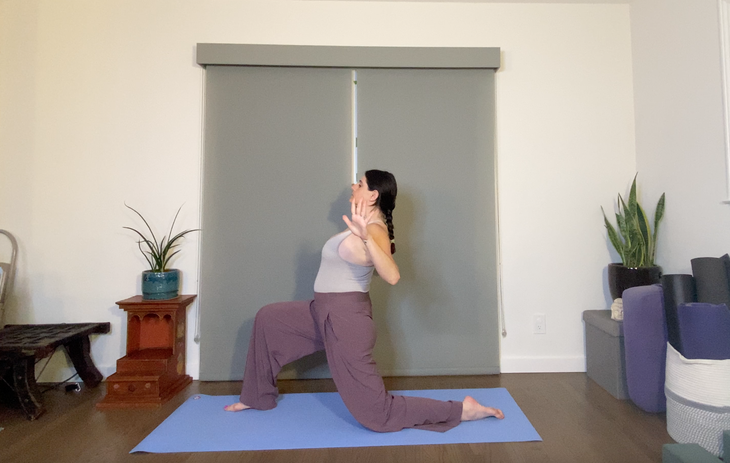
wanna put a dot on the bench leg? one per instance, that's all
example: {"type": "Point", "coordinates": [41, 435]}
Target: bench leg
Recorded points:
{"type": "Point", "coordinates": [26, 387]}
{"type": "Point", "coordinates": [80, 353]}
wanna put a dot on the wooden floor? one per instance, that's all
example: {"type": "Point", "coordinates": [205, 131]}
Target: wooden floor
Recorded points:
{"type": "Point", "coordinates": [577, 420]}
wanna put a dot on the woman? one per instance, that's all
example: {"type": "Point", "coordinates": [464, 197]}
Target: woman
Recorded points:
{"type": "Point", "coordinates": [339, 320]}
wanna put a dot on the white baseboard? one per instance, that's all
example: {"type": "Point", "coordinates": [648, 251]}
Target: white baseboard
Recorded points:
{"type": "Point", "coordinates": [543, 364]}
{"type": "Point", "coordinates": [323, 372]}
{"type": "Point", "coordinates": [508, 365]}
{"type": "Point", "coordinates": [107, 370]}
{"type": "Point", "coordinates": [440, 371]}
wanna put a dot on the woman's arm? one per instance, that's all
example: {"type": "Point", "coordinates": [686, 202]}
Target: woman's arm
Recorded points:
{"type": "Point", "coordinates": [376, 243]}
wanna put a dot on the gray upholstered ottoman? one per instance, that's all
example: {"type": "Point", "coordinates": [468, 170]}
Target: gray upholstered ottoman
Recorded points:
{"type": "Point", "coordinates": [605, 352]}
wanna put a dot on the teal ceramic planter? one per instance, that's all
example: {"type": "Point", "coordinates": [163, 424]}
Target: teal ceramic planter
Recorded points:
{"type": "Point", "coordinates": [157, 286]}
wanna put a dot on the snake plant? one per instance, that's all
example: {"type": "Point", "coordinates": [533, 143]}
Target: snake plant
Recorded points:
{"type": "Point", "coordinates": [158, 253]}
{"type": "Point", "coordinates": [634, 241]}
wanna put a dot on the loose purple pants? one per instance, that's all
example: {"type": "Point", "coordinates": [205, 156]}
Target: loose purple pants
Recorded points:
{"type": "Point", "coordinates": [342, 325]}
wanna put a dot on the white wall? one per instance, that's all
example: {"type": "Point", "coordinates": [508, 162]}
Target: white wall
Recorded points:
{"type": "Point", "coordinates": [679, 125]}
{"type": "Point", "coordinates": [101, 104]}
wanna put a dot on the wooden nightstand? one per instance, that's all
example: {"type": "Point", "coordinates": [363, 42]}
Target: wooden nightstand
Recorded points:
{"type": "Point", "coordinates": [153, 370]}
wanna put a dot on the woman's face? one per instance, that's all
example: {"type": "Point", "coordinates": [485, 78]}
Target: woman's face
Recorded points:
{"type": "Point", "coordinates": [360, 191]}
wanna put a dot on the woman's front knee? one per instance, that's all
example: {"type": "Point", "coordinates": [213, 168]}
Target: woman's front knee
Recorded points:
{"type": "Point", "coordinates": [265, 314]}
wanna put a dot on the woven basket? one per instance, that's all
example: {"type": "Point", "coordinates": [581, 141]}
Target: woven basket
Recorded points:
{"type": "Point", "coordinates": [698, 400]}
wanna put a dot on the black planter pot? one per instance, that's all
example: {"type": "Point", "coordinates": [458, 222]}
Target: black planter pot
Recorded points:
{"type": "Point", "coordinates": [621, 278]}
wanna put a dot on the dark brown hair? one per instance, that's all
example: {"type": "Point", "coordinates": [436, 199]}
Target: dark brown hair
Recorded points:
{"type": "Point", "coordinates": [384, 183]}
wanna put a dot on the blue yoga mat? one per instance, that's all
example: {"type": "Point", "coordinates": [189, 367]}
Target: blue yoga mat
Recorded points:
{"type": "Point", "coordinates": [320, 420]}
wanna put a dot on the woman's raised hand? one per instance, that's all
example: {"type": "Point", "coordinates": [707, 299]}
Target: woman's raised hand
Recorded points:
{"type": "Point", "coordinates": [360, 219]}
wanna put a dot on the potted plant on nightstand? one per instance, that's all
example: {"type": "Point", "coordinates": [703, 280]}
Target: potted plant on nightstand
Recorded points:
{"type": "Point", "coordinates": [159, 282]}
{"type": "Point", "coordinates": [635, 242]}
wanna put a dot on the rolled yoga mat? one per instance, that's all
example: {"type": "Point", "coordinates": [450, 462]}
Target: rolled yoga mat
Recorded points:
{"type": "Point", "coordinates": [645, 346]}
{"type": "Point", "coordinates": [678, 289]}
{"type": "Point", "coordinates": [321, 420]}
{"type": "Point", "coordinates": [711, 280]}
{"type": "Point", "coordinates": [705, 331]}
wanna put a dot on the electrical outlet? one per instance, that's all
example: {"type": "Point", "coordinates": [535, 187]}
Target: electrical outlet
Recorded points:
{"type": "Point", "coordinates": [538, 323]}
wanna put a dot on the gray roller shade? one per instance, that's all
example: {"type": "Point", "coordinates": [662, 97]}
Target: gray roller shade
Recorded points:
{"type": "Point", "coordinates": [348, 57]}
{"type": "Point", "coordinates": [277, 165]}
{"type": "Point", "coordinates": [276, 180]}
{"type": "Point", "coordinates": [434, 130]}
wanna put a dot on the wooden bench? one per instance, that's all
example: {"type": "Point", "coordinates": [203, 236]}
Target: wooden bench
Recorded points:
{"type": "Point", "coordinates": [22, 345]}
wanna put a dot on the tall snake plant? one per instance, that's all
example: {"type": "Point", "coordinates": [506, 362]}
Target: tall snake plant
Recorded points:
{"type": "Point", "coordinates": [634, 241]}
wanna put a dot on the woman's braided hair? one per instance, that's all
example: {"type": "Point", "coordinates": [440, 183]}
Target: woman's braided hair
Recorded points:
{"type": "Point", "coordinates": [384, 183]}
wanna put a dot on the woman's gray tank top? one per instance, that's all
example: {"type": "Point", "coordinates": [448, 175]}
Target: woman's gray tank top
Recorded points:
{"type": "Point", "coordinates": [336, 275]}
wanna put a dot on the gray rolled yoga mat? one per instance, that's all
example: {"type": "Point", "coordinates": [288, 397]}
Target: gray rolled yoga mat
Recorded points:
{"type": "Point", "coordinates": [711, 280]}
{"type": "Point", "coordinates": [678, 289]}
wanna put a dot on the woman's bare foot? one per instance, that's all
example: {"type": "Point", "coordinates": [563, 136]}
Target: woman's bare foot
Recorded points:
{"type": "Point", "coordinates": [237, 407]}
{"type": "Point", "coordinates": [473, 410]}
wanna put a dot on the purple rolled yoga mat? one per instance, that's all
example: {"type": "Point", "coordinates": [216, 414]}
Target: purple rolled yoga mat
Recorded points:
{"type": "Point", "coordinates": [705, 330]}
{"type": "Point", "coordinates": [645, 347]}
